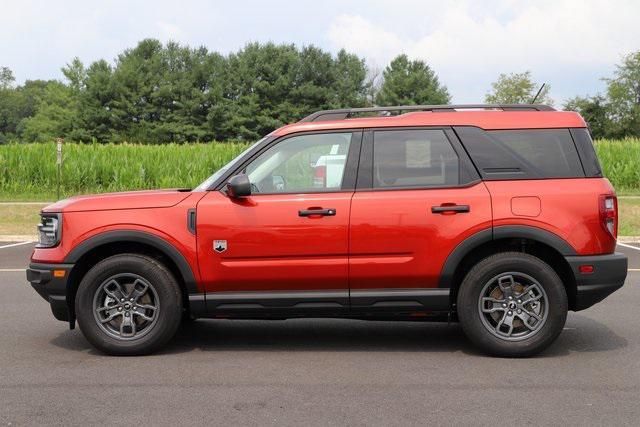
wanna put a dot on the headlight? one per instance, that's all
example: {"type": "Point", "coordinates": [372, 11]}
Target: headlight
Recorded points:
{"type": "Point", "coordinates": [49, 230]}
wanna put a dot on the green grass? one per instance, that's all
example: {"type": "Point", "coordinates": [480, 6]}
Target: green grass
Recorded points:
{"type": "Point", "coordinates": [19, 219]}
{"type": "Point", "coordinates": [620, 160]}
{"type": "Point", "coordinates": [629, 211]}
{"type": "Point", "coordinates": [28, 171]}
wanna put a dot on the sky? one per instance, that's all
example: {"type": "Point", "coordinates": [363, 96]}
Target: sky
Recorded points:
{"type": "Point", "coordinates": [569, 44]}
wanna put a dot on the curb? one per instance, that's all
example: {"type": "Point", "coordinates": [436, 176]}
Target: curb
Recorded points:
{"type": "Point", "coordinates": [628, 239]}
{"type": "Point", "coordinates": [18, 238]}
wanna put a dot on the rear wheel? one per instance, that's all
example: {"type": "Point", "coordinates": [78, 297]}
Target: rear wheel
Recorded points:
{"type": "Point", "coordinates": [512, 304]}
{"type": "Point", "coordinates": [128, 305]}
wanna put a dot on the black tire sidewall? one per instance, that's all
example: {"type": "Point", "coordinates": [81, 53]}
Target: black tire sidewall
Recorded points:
{"type": "Point", "coordinates": [168, 291]}
{"type": "Point", "coordinates": [470, 316]}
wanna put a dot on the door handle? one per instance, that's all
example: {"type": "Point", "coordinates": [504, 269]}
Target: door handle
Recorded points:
{"type": "Point", "coordinates": [450, 209]}
{"type": "Point", "coordinates": [318, 212]}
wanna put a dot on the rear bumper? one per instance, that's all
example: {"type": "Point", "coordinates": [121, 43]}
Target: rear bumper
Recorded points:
{"type": "Point", "coordinates": [53, 289]}
{"type": "Point", "coordinates": [609, 274]}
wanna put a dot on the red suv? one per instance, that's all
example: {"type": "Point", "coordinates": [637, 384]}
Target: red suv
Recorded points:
{"type": "Point", "coordinates": [496, 216]}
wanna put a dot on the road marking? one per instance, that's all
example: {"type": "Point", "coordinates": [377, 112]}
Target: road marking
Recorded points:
{"type": "Point", "coordinates": [634, 269]}
{"type": "Point", "coordinates": [14, 244]}
{"type": "Point", "coordinates": [629, 246]}
{"type": "Point", "coordinates": [12, 270]}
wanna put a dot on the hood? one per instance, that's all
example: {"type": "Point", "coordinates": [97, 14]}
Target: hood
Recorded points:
{"type": "Point", "coordinates": [125, 200]}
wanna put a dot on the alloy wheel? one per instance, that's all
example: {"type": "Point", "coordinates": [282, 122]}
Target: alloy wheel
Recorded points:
{"type": "Point", "coordinates": [126, 306]}
{"type": "Point", "coordinates": [513, 306]}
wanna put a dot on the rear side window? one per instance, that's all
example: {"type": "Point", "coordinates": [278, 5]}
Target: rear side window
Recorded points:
{"type": "Point", "coordinates": [522, 154]}
{"type": "Point", "coordinates": [414, 158]}
{"type": "Point", "coordinates": [587, 152]}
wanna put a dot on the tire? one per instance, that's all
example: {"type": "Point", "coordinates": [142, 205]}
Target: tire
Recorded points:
{"type": "Point", "coordinates": [499, 331]}
{"type": "Point", "coordinates": [150, 299]}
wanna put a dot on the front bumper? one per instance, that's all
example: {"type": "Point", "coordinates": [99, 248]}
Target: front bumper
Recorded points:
{"type": "Point", "coordinates": [53, 289]}
{"type": "Point", "coordinates": [609, 274]}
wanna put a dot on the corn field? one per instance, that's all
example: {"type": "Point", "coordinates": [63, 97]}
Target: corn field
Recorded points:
{"type": "Point", "coordinates": [29, 170]}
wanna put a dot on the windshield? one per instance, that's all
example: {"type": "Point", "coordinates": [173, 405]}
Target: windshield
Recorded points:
{"type": "Point", "coordinates": [213, 178]}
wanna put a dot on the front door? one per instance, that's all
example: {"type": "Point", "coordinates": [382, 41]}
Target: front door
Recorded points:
{"type": "Point", "coordinates": [417, 198]}
{"type": "Point", "coordinates": [285, 247]}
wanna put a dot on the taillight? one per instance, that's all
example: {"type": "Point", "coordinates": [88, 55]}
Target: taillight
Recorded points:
{"type": "Point", "coordinates": [609, 214]}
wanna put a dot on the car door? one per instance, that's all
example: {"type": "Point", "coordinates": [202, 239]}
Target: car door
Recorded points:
{"type": "Point", "coordinates": [285, 247]}
{"type": "Point", "coordinates": [417, 197]}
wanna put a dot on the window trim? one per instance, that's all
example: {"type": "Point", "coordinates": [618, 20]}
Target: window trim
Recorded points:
{"type": "Point", "coordinates": [365, 170]}
{"type": "Point", "coordinates": [350, 168]}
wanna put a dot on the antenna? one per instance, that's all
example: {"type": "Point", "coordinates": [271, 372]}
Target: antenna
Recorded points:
{"type": "Point", "coordinates": [538, 94]}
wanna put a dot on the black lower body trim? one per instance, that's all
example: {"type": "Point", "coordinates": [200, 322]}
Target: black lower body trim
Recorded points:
{"type": "Point", "coordinates": [277, 304]}
{"type": "Point", "coordinates": [436, 299]}
{"type": "Point", "coordinates": [609, 274]}
{"type": "Point", "coordinates": [360, 303]}
{"type": "Point", "coordinates": [52, 289]}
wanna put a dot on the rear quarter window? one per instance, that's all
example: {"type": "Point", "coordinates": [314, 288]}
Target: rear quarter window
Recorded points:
{"type": "Point", "coordinates": [522, 154]}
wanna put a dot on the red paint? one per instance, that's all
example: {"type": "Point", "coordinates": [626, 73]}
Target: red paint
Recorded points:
{"type": "Point", "coordinates": [377, 239]}
{"type": "Point", "coordinates": [270, 247]}
{"type": "Point", "coordinates": [396, 241]}
{"type": "Point", "coordinates": [568, 208]}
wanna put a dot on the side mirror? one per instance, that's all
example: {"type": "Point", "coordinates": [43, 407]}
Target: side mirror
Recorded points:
{"type": "Point", "coordinates": [239, 186]}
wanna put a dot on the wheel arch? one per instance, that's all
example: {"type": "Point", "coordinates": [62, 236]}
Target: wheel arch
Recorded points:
{"type": "Point", "coordinates": [91, 251]}
{"type": "Point", "coordinates": [543, 244]}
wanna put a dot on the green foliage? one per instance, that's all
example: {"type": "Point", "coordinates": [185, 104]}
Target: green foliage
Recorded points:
{"type": "Point", "coordinates": [95, 168]}
{"type": "Point", "coordinates": [6, 78]}
{"type": "Point", "coordinates": [595, 111]}
{"type": "Point", "coordinates": [616, 115]}
{"type": "Point", "coordinates": [164, 93]}
{"type": "Point", "coordinates": [517, 88]}
{"type": "Point", "coordinates": [410, 83]}
{"type": "Point", "coordinates": [92, 168]}
{"type": "Point", "coordinates": [619, 160]}
{"type": "Point", "coordinates": [623, 91]}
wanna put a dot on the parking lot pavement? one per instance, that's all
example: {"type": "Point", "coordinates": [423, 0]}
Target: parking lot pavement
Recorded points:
{"type": "Point", "coordinates": [316, 372]}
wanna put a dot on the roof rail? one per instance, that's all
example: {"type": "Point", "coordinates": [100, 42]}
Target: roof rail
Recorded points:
{"type": "Point", "coordinates": [345, 113]}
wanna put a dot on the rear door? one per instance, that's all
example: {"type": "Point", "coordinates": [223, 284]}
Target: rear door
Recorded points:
{"type": "Point", "coordinates": [417, 198]}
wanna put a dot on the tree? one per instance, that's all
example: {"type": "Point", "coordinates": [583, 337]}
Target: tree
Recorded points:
{"type": "Point", "coordinates": [517, 88]}
{"type": "Point", "coordinates": [6, 78]}
{"type": "Point", "coordinates": [408, 82]}
{"type": "Point", "coordinates": [158, 93]}
{"type": "Point", "coordinates": [75, 73]}
{"type": "Point", "coordinates": [595, 111]}
{"type": "Point", "coordinates": [16, 104]}
{"type": "Point", "coordinates": [623, 91]}
{"type": "Point", "coordinates": [55, 115]}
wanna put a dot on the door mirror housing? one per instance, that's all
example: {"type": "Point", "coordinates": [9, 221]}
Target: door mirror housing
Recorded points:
{"type": "Point", "coordinates": [239, 186]}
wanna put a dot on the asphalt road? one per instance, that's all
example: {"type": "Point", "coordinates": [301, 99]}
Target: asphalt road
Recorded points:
{"type": "Point", "coordinates": [316, 372]}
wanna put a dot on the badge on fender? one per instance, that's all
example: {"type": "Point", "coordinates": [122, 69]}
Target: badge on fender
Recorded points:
{"type": "Point", "coordinates": [219, 245]}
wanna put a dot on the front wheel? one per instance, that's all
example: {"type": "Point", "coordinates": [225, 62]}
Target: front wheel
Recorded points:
{"type": "Point", "coordinates": [128, 304]}
{"type": "Point", "coordinates": [512, 304]}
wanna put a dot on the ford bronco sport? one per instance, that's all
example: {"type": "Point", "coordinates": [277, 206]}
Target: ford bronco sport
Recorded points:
{"type": "Point", "coordinates": [496, 216]}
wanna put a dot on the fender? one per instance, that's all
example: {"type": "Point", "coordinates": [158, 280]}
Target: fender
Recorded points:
{"type": "Point", "coordinates": [138, 237]}
{"type": "Point", "coordinates": [497, 233]}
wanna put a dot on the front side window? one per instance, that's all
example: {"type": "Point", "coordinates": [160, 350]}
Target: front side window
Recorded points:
{"type": "Point", "coordinates": [414, 158]}
{"type": "Point", "coordinates": [301, 164]}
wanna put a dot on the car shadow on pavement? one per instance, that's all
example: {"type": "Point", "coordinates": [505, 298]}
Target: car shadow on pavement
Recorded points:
{"type": "Point", "coordinates": [584, 335]}
{"type": "Point", "coordinates": [581, 334]}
